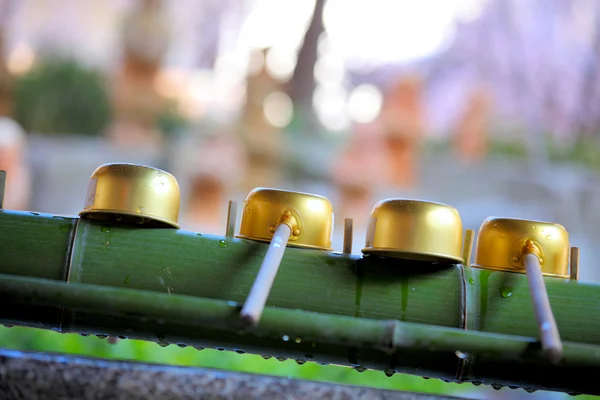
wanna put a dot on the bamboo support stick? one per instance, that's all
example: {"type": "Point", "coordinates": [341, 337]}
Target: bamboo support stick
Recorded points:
{"type": "Point", "coordinates": [468, 246]}
{"type": "Point", "coordinates": [2, 188]}
{"type": "Point", "coordinates": [574, 267]}
{"type": "Point", "coordinates": [255, 303]}
{"type": "Point", "coordinates": [231, 218]}
{"type": "Point", "coordinates": [324, 328]}
{"type": "Point", "coordinates": [348, 235]}
{"type": "Point", "coordinates": [550, 337]}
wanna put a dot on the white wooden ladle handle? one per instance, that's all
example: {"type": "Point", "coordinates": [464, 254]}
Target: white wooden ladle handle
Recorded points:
{"type": "Point", "coordinates": [550, 337]}
{"type": "Point", "coordinates": [257, 298]}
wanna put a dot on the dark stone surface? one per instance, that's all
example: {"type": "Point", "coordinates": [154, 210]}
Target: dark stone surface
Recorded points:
{"type": "Point", "coordinates": [34, 376]}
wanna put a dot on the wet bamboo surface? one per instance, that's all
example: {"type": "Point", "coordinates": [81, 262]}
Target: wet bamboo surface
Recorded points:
{"type": "Point", "coordinates": [186, 265]}
{"type": "Point", "coordinates": [180, 262]}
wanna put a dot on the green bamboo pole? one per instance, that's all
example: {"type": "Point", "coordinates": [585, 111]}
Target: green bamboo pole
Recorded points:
{"type": "Point", "coordinates": [34, 244]}
{"type": "Point", "coordinates": [195, 311]}
{"type": "Point", "coordinates": [180, 262]}
{"type": "Point", "coordinates": [379, 336]}
{"type": "Point", "coordinates": [42, 241]}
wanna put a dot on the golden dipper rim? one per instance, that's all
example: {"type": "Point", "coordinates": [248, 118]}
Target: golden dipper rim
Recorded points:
{"type": "Point", "coordinates": [129, 214]}
{"type": "Point", "coordinates": [414, 256]}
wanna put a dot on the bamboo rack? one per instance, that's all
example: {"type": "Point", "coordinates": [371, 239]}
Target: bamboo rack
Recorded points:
{"type": "Point", "coordinates": [456, 323]}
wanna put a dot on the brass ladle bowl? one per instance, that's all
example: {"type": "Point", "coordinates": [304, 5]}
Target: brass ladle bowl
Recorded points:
{"type": "Point", "coordinates": [500, 244]}
{"type": "Point", "coordinates": [309, 216]}
{"type": "Point", "coordinates": [417, 230]}
{"type": "Point", "coordinates": [131, 192]}
{"type": "Point", "coordinates": [535, 248]}
{"type": "Point", "coordinates": [281, 218]}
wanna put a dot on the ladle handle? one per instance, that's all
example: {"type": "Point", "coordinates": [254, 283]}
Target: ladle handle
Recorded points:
{"type": "Point", "coordinates": [550, 337]}
{"type": "Point", "coordinates": [255, 303]}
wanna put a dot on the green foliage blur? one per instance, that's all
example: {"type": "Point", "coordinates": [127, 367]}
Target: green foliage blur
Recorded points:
{"type": "Point", "coordinates": [171, 121]}
{"type": "Point", "coordinates": [61, 96]}
{"type": "Point", "coordinates": [21, 338]}
{"type": "Point", "coordinates": [29, 339]}
{"type": "Point", "coordinates": [584, 152]}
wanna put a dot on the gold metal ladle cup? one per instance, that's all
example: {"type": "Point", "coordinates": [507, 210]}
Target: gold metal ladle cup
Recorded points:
{"type": "Point", "coordinates": [131, 192]}
{"type": "Point", "coordinates": [281, 218]}
{"type": "Point", "coordinates": [536, 249]}
{"type": "Point", "coordinates": [417, 230]}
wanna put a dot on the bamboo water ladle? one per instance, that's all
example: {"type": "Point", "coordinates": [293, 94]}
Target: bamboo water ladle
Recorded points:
{"type": "Point", "coordinates": [417, 230]}
{"type": "Point", "coordinates": [537, 249]}
{"type": "Point", "coordinates": [133, 193]}
{"type": "Point", "coordinates": [281, 218]}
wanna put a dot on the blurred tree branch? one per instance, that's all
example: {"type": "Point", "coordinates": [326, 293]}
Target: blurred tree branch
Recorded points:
{"type": "Point", "coordinates": [302, 84]}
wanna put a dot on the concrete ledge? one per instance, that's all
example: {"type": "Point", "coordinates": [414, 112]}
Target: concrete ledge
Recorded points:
{"type": "Point", "coordinates": [34, 376]}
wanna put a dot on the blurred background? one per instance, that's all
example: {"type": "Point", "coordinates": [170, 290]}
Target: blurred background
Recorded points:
{"type": "Point", "coordinates": [491, 106]}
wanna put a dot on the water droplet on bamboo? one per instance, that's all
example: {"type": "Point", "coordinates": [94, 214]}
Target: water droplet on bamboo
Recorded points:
{"type": "Point", "coordinates": [199, 348]}
{"type": "Point", "coordinates": [102, 336]}
{"type": "Point", "coordinates": [221, 348]}
{"type": "Point", "coordinates": [182, 345]}
{"type": "Point", "coordinates": [281, 358]}
{"type": "Point", "coordinates": [105, 229]}
{"type": "Point", "coordinates": [163, 344]}
{"type": "Point", "coordinates": [360, 369]}
{"type": "Point", "coordinates": [234, 305]}
{"type": "Point", "coordinates": [389, 372]}
{"type": "Point", "coordinates": [222, 244]}
{"type": "Point", "coordinates": [266, 357]}
{"type": "Point", "coordinates": [497, 386]}
{"type": "Point", "coordinates": [530, 390]}
{"type": "Point", "coordinates": [127, 279]}
{"type": "Point", "coordinates": [461, 355]}
{"type": "Point", "coordinates": [506, 292]}
{"type": "Point", "coordinates": [285, 338]}
{"type": "Point", "coordinates": [239, 351]}
{"type": "Point", "coordinates": [300, 361]}
{"type": "Point", "coordinates": [298, 340]}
